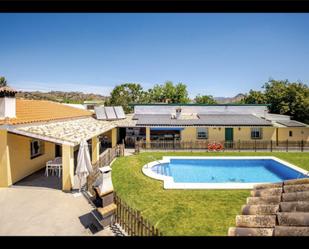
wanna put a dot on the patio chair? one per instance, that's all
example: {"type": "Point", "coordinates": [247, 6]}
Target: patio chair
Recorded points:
{"type": "Point", "coordinates": [49, 167]}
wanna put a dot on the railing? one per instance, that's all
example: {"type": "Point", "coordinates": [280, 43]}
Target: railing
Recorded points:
{"type": "Point", "coordinates": [251, 145]}
{"type": "Point", "coordinates": [104, 159]}
{"type": "Point", "coordinates": [131, 220]}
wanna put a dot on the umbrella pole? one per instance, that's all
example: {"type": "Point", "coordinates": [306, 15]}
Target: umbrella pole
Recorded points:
{"type": "Point", "coordinates": [80, 183]}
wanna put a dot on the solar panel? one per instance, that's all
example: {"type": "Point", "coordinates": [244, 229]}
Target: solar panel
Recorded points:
{"type": "Point", "coordinates": [110, 113]}
{"type": "Point", "coordinates": [119, 112]}
{"type": "Point", "coordinates": [100, 112]}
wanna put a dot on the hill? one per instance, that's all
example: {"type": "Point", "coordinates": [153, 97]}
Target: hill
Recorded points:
{"type": "Point", "coordinates": [225, 100]}
{"type": "Point", "coordinates": [63, 97]}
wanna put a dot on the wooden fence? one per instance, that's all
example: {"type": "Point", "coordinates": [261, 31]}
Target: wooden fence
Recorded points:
{"type": "Point", "coordinates": [104, 159]}
{"type": "Point", "coordinates": [131, 220]}
{"type": "Point", "coordinates": [251, 145]}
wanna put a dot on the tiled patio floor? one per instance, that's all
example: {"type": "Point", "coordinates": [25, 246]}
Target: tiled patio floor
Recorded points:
{"type": "Point", "coordinates": [39, 211]}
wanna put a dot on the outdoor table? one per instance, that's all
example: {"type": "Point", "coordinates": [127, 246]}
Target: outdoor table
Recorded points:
{"type": "Point", "coordinates": [55, 164]}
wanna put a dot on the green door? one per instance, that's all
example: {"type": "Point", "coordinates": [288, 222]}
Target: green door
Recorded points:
{"type": "Point", "coordinates": [229, 134]}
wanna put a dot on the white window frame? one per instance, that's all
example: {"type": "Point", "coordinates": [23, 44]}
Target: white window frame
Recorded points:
{"type": "Point", "coordinates": [255, 131]}
{"type": "Point", "coordinates": [40, 149]}
{"type": "Point", "coordinates": [201, 130]}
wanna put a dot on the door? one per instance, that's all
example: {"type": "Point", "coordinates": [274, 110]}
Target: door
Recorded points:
{"type": "Point", "coordinates": [229, 137]}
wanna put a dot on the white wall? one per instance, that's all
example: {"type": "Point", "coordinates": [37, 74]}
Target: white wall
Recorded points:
{"type": "Point", "coordinates": [7, 107]}
{"type": "Point", "coordinates": [162, 109]}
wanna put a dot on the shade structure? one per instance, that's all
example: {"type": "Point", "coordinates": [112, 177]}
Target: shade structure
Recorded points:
{"type": "Point", "coordinates": [84, 166]}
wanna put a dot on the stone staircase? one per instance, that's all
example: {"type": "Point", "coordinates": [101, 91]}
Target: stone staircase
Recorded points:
{"type": "Point", "coordinates": [277, 209]}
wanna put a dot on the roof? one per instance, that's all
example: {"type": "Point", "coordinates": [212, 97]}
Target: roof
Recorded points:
{"type": "Point", "coordinates": [7, 90]}
{"type": "Point", "coordinates": [194, 104]}
{"type": "Point", "coordinates": [276, 209]}
{"type": "Point", "coordinates": [204, 119]}
{"type": "Point", "coordinates": [291, 123]}
{"type": "Point", "coordinates": [69, 132]}
{"type": "Point", "coordinates": [30, 111]}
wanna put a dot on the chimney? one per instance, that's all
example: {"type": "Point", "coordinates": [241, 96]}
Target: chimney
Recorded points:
{"type": "Point", "coordinates": [7, 102]}
{"type": "Point", "coordinates": [178, 112]}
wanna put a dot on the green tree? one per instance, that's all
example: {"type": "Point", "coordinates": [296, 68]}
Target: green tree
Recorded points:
{"type": "Point", "coordinates": [126, 94]}
{"type": "Point", "coordinates": [3, 82]}
{"type": "Point", "coordinates": [168, 92]}
{"type": "Point", "coordinates": [205, 99]}
{"type": "Point", "coordinates": [255, 97]}
{"type": "Point", "coordinates": [284, 97]}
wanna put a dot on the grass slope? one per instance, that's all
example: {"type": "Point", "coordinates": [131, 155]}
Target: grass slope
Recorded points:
{"type": "Point", "coordinates": [184, 212]}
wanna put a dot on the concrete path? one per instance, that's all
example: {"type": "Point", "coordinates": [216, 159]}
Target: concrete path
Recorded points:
{"type": "Point", "coordinates": [41, 211]}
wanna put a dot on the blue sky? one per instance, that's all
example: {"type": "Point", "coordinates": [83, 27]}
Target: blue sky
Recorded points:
{"type": "Point", "coordinates": [217, 54]}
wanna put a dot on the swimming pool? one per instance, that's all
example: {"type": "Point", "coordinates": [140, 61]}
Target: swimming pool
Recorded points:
{"type": "Point", "coordinates": [221, 172]}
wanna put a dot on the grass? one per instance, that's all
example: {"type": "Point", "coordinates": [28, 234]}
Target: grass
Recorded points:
{"type": "Point", "coordinates": [184, 212]}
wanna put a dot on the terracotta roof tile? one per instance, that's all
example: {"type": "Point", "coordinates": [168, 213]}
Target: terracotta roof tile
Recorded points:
{"type": "Point", "coordinates": [30, 111]}
{"type": "Point", "coordinates": [7, 89]}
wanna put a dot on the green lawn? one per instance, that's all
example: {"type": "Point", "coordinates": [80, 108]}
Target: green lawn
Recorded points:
{"type": "Point", "coordinates": [184, 212]}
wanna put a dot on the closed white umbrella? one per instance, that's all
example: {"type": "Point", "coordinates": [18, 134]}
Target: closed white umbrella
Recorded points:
{"type": "Point", "coordinates": [84, 166]}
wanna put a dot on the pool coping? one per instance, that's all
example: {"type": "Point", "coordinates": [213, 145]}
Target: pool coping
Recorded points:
{"type": "Point", "coordinates": [168, 181]}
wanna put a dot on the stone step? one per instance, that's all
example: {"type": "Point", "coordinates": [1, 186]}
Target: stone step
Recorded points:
{"type": "Point", "coordinates": [296, 188]}
{"type": "Point", "coordinates": [294, 206]}
{"type": "Point", "coordinates": [264, 200]}
{"type": "Point", "coordinates": [268, 185]}
{"type": "Point", "coordinates": [258, 221]}
{"type": "Point", "coordinates": [296, 181]}
{"type": "Point", "coordinates": [296, 196]}
{"type": "Point", "coordinates": [291, 231]}
{"type": "Point", "coordinates": [244, 231]}
{"type": "Point", "coordinates": [266, 192]}
{"type": "Point", "coordinates": [259, 209]}
{"type": "Point", "coordinates": [293, 219]}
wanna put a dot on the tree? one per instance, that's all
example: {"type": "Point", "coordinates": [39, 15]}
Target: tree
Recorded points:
{"type": "Point", "coordinates": [255, 97]}
{"type": "Point", "coordinates": [168, 92]}
{"type": "Point", "coordinates": [284, 98]}
{"type": "Point", "coordinates": [126, 94]}
{"type": "Point", "coordinates": [3, 82]}
{"type": "Point", "coordinates": [205, 99]}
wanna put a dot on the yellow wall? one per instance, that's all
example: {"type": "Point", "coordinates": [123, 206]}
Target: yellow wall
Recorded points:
{"type": "Point", "coordinates": [67, 167]}
{"type": "Point", "coordinates": [5, 171]}
{"type": "Point", "coordinates": [218, 133]}
{"type": "Point", "coordinates": [19, 155]}
{"type": "Point", "coordinates": [283, 134]}
{"type": "Point", "coordinates": [114, 137]}
{"type": "Point", "coordinates": [95, 149]}
{"type": "Point", "coordinates": [268, 133]}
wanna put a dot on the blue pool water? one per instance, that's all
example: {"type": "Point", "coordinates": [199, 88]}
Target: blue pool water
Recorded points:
{"type": "Point", "coordinates": [225, 170]}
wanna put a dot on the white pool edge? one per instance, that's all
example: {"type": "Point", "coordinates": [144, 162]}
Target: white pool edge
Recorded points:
{"type": "Point", "coordinates": [168, 182]}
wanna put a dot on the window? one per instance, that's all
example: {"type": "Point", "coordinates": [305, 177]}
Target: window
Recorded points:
{"type": "Point", "coordinates": [36, 148]}
{"type": "Point", "coordinates": [202, 133]}
{"type": "Point", "coordinates": [256, 133]}
{"type": "Point", "coordinates": [290, 133]}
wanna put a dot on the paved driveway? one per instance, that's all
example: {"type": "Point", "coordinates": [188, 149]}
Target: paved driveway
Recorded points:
{"type": "Point", "coordinates": [41, 211]}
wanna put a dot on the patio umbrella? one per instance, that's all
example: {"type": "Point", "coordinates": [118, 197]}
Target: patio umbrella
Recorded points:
{"type": "Point", "coordinates": [84, 166]}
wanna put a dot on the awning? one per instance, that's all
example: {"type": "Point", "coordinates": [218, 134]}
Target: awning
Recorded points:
{"type": "Point", "coordinates": [167, 129]}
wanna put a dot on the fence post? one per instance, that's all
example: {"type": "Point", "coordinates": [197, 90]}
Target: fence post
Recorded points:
{"type": "Point", "coordinates": [238, 145]}
{"type": "Point", "coordinates": [287, 145]}
{"type": "Point", "coordinates": [271, 145]}
{"type": "Point", "coordinates": [254, 145]}
{"type": "Point", "coordinates": [302, 146]}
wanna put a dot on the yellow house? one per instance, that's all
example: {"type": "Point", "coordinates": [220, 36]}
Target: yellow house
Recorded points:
{"type": "Point", "coordinates": [220, 123]}
{"type": "Point", "coordinates": [33, 132]}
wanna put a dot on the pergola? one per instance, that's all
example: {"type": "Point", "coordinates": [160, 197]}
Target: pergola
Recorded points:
{"type": "Point", "coordinates": [69, 133]}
